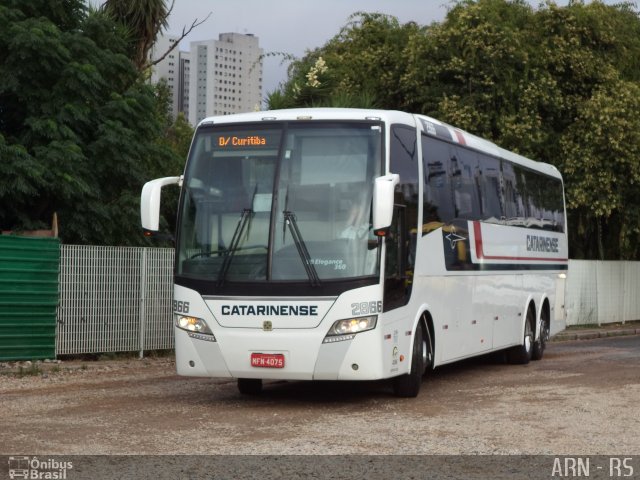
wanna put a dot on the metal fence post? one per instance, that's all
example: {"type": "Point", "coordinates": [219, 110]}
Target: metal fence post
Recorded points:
{"type": "Point", "coordinates": [143, 292]}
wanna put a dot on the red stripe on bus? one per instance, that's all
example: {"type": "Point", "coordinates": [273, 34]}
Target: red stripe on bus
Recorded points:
{"type": "Point", "coordinates": [460, 137]}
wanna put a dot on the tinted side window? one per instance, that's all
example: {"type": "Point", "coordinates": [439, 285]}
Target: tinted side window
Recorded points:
{"type": "Point", "coordinates": [465, 183]}
{"type": "Point", "coordinates": [490, 191]}
{"type": "Point", "coordinates": [544, 201]}
{"type": "Point", "coordinates": [438, 194]}
{"type": "Point", "coordinates": [513, 186]}
{"type": "Point", "coordinates": [553, 202]}
{"type": "Point", "coordinates": [404, 161]}
{"type": "Point", "coordinates": [461, 184]}
{"type": "Point", "coordinates": [532, 193]}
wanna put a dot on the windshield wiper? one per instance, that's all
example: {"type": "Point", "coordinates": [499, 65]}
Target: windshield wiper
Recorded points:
{"type": "Point", "coordinates": [290, 219]}
{"type": "Point", "coordinates": [233, 246]}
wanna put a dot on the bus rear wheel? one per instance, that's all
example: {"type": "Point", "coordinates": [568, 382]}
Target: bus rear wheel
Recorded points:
{"type": "Point", "coordinates": [522, 354]}
{"type": "Point", "coordinates": [409, 385]}
{"type": "Point", "coordinates": [250, 386]}
{"type": "Point", "coordinates": [540, 344]}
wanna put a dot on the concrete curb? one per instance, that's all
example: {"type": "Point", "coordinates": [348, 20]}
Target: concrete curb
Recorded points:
{"type": "Point", "coordinates": [591, 335]}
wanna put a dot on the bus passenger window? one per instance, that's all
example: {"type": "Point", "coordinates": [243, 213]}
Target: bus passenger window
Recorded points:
{"type": "Point", "coordinates": [437, 199]}
{"type": "Point", "coordinates": [465, 183]}
{"type": "Point", "coordinates": [489, 185]}
{"type": "Point", "coordinates": [513, 201]}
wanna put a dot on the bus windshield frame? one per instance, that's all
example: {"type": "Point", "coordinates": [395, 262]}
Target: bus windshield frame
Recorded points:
{"type": "Point", "coordinates": [280, 205]}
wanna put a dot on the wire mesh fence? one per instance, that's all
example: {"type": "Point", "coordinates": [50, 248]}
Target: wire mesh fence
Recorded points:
{"type": "Point", "coordinates": [114, 299]}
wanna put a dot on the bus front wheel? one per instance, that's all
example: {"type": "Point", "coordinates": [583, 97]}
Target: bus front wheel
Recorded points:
{"type": "Point", "coordinates": [409, 385]}
{"type": "Point", "coordinates": [250, 386]}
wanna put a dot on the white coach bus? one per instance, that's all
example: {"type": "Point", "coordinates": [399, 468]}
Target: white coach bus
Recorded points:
{"type": "Point", "coordinates": [345, 244]}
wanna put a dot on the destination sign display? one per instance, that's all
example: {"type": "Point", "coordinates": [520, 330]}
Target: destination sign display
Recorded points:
{"type": "Point", "coordinates": [234, 141]}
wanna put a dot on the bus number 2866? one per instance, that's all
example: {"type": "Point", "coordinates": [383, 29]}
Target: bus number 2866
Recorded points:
{"type": "Point", "coordinates": [365, 308]}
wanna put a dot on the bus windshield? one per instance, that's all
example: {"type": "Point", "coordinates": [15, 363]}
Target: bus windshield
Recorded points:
{"type": "Point", "coordinates": [280, 202]}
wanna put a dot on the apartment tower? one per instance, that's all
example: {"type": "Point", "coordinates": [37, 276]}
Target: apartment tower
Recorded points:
{"type": "Point", "coordinates": [225, 76]}
{"type": "Point", "coordinates": [216, 77]}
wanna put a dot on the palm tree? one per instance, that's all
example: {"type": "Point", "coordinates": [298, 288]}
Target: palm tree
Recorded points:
{"type": "Point", "coordinates": [144, 19]}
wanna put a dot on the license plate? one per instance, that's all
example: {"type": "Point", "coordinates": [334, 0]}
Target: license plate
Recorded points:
{"type": "Point", "coordinates": [267, 360]}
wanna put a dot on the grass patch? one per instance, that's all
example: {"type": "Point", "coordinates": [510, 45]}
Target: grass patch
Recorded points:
{"type": "Point", "coordinates": [159, 353]}
{"type": "Point", "coordinates": [30, 371]}
{"type": "Point", "coordinates": [111, 356]}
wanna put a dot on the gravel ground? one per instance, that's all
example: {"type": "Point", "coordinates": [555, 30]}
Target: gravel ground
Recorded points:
{"type": "Point", "coordinates": [582, 398]}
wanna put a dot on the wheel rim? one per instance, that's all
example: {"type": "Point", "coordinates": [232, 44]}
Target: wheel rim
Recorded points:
{"type": "Point", "coordinates": [547, 332]}
{"type": "Point", "coordinates": [528, 333]}
{"type": "Point", "coordinates": [425, 354]}
{"type": "Point", "coordinates": [544, 333]}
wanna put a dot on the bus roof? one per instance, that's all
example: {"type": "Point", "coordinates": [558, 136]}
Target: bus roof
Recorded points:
{"type": "Point", "coordinates": [429, 126]}
{"type": "Point", "coordinates": [314, 114]}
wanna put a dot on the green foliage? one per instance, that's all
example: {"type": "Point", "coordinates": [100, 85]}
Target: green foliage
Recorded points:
{"type": "Point", "coordinates": [557, 84]}
{"type": "Point", "coordinates": [471, 66]}
{"type": "Point", "coordinates": [79, 130]}
{"type": "Point", "coordinates": [602, 158]}
{"type": "Point", "coordinates": [363, 67]}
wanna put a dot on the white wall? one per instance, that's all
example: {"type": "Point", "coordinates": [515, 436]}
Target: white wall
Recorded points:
{"type": "Point", "coordinates": [602, 292]}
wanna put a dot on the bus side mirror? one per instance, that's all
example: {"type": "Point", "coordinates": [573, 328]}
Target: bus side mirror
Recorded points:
{"type": "Point", "coordinates": [150, 203]}
{"type": "Point", "coordinates": [383, 192]}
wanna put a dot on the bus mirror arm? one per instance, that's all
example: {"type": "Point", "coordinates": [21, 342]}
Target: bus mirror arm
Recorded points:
{"type": "Point", "coordinates": [165, 237]}
{"type": "Point", "coordinates": [150, 203]}
{"type": "Point", "coordinates": [383, 192]}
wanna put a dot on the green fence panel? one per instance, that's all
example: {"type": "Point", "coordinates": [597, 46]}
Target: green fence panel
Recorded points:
{"type": "Point", "coordinates": [28, 297]}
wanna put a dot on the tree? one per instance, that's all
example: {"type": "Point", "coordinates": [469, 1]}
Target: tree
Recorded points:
{"type": "Point", "coordinates": [469, 69]}
{"type": "Point", "coordinates": [79, 132]}
{"type": "Point", "coordinates": [359, 67]}
{"type": "Point", "coordinates": [143, 19]}
{"type": "Point", "coordinates": [602, 158]}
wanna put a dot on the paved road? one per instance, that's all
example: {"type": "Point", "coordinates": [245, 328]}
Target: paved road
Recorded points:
{"type": "Point", "coordinates": [583, 397]}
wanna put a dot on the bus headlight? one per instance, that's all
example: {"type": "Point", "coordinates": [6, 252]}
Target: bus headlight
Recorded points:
{"type": "Point", "coordinates": [347, 328]}
{"type": "Point", "coordinates": [192, 324]}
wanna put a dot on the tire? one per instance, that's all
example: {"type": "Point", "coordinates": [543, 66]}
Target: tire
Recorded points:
{"type": "Point", "coordinates": [408, 385]}
{"type": "Point", "coordinates": [522, 354]}
{"type": "Point", "coordinates": [544, 328]}
{"type": "Point", "coordinates": [250, 386]}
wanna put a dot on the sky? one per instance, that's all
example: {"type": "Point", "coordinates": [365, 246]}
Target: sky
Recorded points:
{"type": "Point", "coordinates": [289, 26]}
